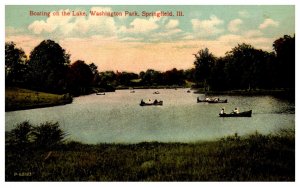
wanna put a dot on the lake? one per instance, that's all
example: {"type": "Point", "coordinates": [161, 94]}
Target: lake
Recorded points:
{"type": "Point", "coordinates": [117, 117]}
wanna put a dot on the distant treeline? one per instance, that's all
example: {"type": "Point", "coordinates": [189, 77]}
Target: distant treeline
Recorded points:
{"type": "Point", "coordinates": [49, 69]}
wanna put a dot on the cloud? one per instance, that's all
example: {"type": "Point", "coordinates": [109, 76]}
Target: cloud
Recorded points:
{"type": "Point", "coordinates": [233, 25]}
{"type": "Point", "coordinates": [142, 26]}
{"type": "Point", "coordinates": [258, 42]}
{"type": "Point", "coordinates": [12, 30]}
{"type": "Point", "coordinates": [172, 24]}
{"type": "Point", "coordinates": [209, 27]}
{"type": "Point", "coordinates": [26, 42]}
{"type": "Point", "coordinates": [72, 26]}
{"type": "Point", "coordinates": [166, 35]}
{"type": "Point", "coordinates": [139, 25]}
{"type": "Point", "coordinates": [268, 23]}
{"type": "Point", "coordinates": [253, 33]}
{"type": "Point", "coordinates": [51, 24]}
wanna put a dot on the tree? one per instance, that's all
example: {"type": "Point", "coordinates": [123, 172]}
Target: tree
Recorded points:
{"type": "Point", "coordinates": [82, 77]}
{"type": "Point", "coordinates": [48, 65]}
{"type": "Point", "coordinates": [249, 68]}
{"type": "Point", "coordinates": [189, 74]}
{"type": "Point", "coordinates": [242, 60]}
{"type": "Point", "coordinates": [218, 79]}
{"type": "Point", "coordinates": [203, 63]}
{"type": "Point", "coordinates": [151, 77]}
{"type": "Point", "coordinates": [96, 76]}
{"type": "Point", "coordinates": [173, 77]}
{"type": "Point", "coordinates": [285, 54]}
{"type": "Point", "coordinates": [15, 66]}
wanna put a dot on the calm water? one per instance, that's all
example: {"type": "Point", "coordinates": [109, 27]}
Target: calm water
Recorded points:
{"type": "Point", "coordinates": [117, 117]}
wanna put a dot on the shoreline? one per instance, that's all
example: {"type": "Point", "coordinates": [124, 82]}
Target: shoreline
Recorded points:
{"type": "Point", "coordinates": [18, 108]}
{"type": "Point", "coordinates": [25, 99]}
{"type": "Point", "coordinates": [274, 92]}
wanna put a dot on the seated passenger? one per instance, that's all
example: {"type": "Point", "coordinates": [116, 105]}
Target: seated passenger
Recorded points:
{"type": "Point", "coordinates": [236, 111]}
{"type": "Point", "coordinates": [222, 111]}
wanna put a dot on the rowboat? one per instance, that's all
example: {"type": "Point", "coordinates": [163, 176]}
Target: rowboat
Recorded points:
{"type": "Point", "coordinates": [155, 103]}
{"type": "Point", "coordinates": [100, 93]}
{"type": "Point", "coordinates": [217, 100]}
{"type": "Point", "coordinates": [241, 114]}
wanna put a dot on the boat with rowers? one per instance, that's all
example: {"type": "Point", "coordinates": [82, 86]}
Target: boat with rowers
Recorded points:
{"type": "Point", "coordinates": [209, 100]}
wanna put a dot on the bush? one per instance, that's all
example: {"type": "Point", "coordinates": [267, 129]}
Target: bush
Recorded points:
{"type": "Point", "coordinates": [45, 136]}
{"type": "Point", "coordinates": [48, 135]}
{"type": "Point", "coordinates": [20, 135]}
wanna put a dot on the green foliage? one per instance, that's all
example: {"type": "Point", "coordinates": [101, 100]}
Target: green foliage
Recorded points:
{"type": "Point", "coordinates": [248, 158]}
{"type": "Point", "coordinates": [20, 136]}
{"type": "Point", "coordinates": [204, 60]}
{"type": "Point", "coordinates": [245, 67]}
{"type": "Point", "coordinates": [45, 136]}
{"type": "Point", "coordinates": [285, 55]}
{"type": "Point", "coordinates": [15, 66]}
{"type": "Point", "coordinates": [81, 77]}
{"type": "Point", "coordinates": [48, 66]}
{"type": "Point", "coordinates": [48, 135]}
{"type": "Point", "coordinates": [20, 99]}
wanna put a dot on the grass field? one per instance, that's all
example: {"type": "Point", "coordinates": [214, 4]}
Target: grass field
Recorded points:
{"type": "Point", "coordinates": [251, 158]}
{"type": "Point", "coordinates": [20, 99]}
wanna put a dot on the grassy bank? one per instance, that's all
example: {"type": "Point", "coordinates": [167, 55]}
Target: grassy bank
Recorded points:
{"type": "Point", "coordinates": [20, 99]}
{"type": "Point", "coordinates": [251, 158]}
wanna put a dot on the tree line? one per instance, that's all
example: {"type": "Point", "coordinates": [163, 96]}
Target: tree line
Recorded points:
{"type": "Point", "coordinates": [245, 67]}
{"type": "Point", "coordinates": [48, 68]}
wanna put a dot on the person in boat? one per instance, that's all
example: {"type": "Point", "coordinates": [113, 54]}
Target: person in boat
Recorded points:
{"type": "Point", "coordinates": [142, 101]}
{"type": "Point", "coordinates": [216, 99]}
{"type": "Point", "coordinates": [207, 99]}
{"type": "Point", "coordinates": [236, 111]}
{"type": "Point", "coordinates": [222, 111]}
{"type": "Point", "coordinates": [155, 101]}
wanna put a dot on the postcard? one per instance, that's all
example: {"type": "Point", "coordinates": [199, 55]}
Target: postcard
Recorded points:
{"type": "Point", "coordinates": [162, 93]}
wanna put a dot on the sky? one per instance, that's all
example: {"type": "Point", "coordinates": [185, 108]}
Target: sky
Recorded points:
{"type": "Point", "coordinates": [136, 43]}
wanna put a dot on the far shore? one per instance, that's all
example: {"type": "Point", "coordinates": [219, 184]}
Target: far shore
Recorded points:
{"type": "Point", "coordinates": [23, 99]}
{"type": "Point", "coordinates": [281, 93]}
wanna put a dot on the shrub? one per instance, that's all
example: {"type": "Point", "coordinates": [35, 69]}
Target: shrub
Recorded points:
{"type": "Point", "coordinates": [48, 135]}
{"type": "Point", "coordinates": [21, 135]}
{"type": "Point", "coordinates": [45, 136]}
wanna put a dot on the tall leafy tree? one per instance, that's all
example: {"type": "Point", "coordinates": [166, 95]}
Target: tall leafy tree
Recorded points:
{"type": "Point", "coordinates": [242, 60]}
{"type": "Point", "coordinates": [15, 63]}
{"type": "Point", "coordinates": [285, 54]}
{"type": "Point", "coordinates": [96, 76]}
{"type": "Point", "coordinates": [204, 60]}
{"type": "Point", "coordinates": [48, 64]}
{"type": "Point", "coordinates": [218, 79]}
{"type": "Point", "coordinates": [82, 77]}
